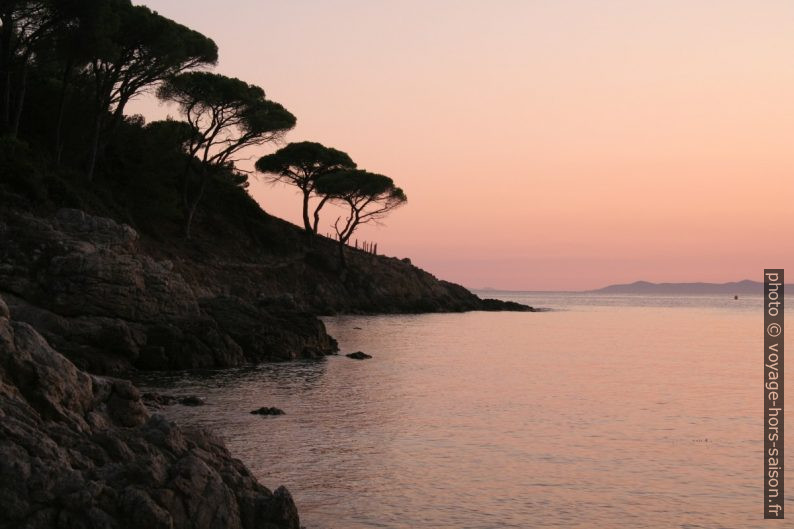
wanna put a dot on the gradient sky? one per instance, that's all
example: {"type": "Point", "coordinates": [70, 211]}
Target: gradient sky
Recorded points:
{"type": "Point", "coordinates": [554, 144]}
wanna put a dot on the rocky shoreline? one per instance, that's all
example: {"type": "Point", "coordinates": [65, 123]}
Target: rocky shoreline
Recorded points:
{"type": "Point", "coordinates": [82, 451]}
{"type": "Point", "coordinates": [111, 301]}
{"type": "Point", "coordinates": [85, 284]}
{"type": "Point", "coordinates": [90, 297]}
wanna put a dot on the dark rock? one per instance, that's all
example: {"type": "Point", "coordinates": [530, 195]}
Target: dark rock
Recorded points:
{"type": "Point", "coordinates": [499, 305]}
{"type": "Point", "coordinates": [110, 300]}
{"type": "Point", "coordinates": [279, 302]}
{"type": "Point", "coordinates": [269, 335]}
{"type": "Point", "coordinates": [358, 355]}
{"type": "Point", "coordinates": [87, 285]}
{"type": "Point", "coordinates": [81, 451]}
{"type": "Point", "coordinates": [191, 400]}
{"type": "Point", "coordinates": [267, 411]}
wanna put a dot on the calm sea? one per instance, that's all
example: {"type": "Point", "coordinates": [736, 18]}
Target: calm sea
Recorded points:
{"type": "Point", "coordinates": [608, 412]}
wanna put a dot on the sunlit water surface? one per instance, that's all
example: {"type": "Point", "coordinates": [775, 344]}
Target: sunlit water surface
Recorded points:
{"type": "Point", "coordinates": [610, 412]}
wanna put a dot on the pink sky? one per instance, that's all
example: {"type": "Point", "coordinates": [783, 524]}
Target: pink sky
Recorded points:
{"type": "Point", "coordinates": [555, 144]}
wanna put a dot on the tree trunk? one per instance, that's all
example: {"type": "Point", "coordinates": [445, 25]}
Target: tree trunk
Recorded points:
{"type": "Point", "coordinates": [186, 185]}
{"type": "Point", "coordinates": [5, 108]}
{"type": "Point", "coordinates": [307, 225]}
{"type": "Point", "coordinates": [342, 262]}
{"type": "Point", "coordinates": [193, 205]}
{"type": "Point", "coordinates": [20, 100]}
{"type": "Point", "coordinates": [61, 113]}
{"type": "Point", "coordinates": [6, 35]}
{"type": "Point", "coordinates": [94, 148]}
{"type": "Point", "coordinates": [317, 214]}
{"type": "Point", "coordinates": [191, 212]}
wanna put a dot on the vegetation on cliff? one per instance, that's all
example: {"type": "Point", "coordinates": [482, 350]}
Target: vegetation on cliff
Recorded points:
{"type": "Point", "coordinates": [70, 67]}
{"type": "Point", "coordinates": [68, 70]}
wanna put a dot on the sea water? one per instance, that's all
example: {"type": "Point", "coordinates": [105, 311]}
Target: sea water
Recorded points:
{"type": "Point", "coordinates": [606, 412]}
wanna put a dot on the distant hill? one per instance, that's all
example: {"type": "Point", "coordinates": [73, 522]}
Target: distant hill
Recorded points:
{"type": "Point", "coordinates": [745, 287]}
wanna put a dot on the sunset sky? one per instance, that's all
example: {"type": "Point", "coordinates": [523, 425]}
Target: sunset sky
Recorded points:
{"type": "Point", "coordinates": [548, 144]}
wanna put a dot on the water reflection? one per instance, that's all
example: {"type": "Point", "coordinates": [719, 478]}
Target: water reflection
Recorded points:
{"type": "Point", "coordinates": [294, 376]}
{"type": "Point", "coordinates": [618, 416]}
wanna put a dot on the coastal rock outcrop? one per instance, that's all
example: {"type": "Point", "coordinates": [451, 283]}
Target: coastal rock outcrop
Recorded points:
{"type": "Point", "coordinates": [81, 451]}
{"type": "Point", "coordinates": [111, 300]}
{"type": "Point", "coordinates": [359, 355]}
{"type": "Point", "coordinates": [85, 284]}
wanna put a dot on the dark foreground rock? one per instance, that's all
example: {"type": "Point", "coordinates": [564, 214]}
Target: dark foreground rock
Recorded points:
{"type": "Point", "coordinates": [81, 452]}
{"type": "Point", "coordinates": [264, 410]}
{"type": "Point", "coordinates": [86, 285]}
{"type": "Point", "coordinates": [358, 355]}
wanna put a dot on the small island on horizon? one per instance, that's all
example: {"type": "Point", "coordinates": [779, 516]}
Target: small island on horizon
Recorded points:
{"type": "Point", "coordinates": [695, 288]}
{"type": "Point", "coordinates": [745, 287]}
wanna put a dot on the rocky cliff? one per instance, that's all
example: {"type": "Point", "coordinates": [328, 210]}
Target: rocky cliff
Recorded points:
{"type": "Point", "coordinates": [112, 300]}
{"type": "Point", "coordinates": [85, 283]}
{"type": "Point", "coordinates": [79, 451]}
{"type": "Point", "coordinates": [276, 262]}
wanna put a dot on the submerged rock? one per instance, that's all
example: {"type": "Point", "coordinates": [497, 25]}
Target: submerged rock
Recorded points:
{"type": "Point", "coordinates": [358, 355]}
{"type": "Point", "coordinates": [82, 451]}
{"type": "Point", "coordinates": [264, 410]}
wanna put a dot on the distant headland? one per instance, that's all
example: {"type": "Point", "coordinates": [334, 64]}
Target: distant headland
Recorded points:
{"type": "Point", "coordinates": [745, 287]}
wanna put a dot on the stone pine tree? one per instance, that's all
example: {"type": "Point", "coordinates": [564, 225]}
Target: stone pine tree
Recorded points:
{"type": "Point", "coordinates": [131, 49]}
{"type": "Point", "coordinates": [25, 27]}
{"type": "Point", "coordinates": [301, 164]}
{"type": "Point", "coordinates": [227, 115]}
{"type": "Point", "coordinates": [369, 197]}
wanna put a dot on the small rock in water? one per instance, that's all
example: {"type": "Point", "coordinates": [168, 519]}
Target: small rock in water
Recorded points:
{"type": "Point", "coordinates": [191, 400]}
{"type": "Point", "coordinates": [358, 355]}
{"type": "Point", "coordinates": [264, 410]}
{"type": "Point", "coordinates": [158, 399]}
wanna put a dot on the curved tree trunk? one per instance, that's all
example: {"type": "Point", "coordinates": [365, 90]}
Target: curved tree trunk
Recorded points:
{"type": "Point", "coordinates": [317, 214]}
